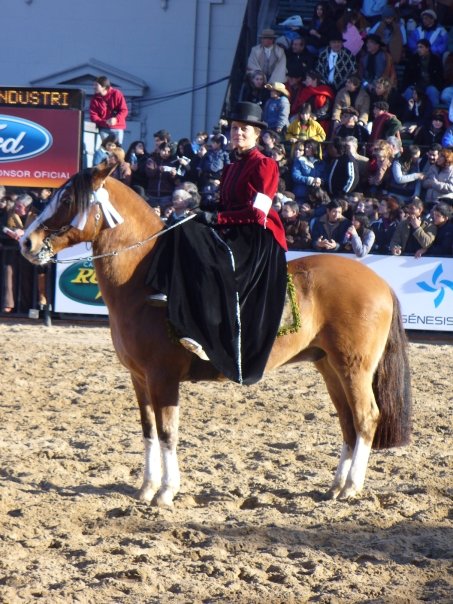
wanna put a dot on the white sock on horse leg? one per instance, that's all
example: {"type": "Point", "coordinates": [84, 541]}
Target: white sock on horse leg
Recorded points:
{"type": "Point", "coordinates": [344, 465]}
{"type": "Point", "coordinates": [170, 477]}
{"type": "Point", "coordinates": [359, 463]}
{"type": "Point", "coordinates": [153, 468]}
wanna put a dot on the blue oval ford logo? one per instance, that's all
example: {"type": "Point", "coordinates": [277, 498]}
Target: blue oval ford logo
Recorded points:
{"type": "Point", "coordinates": [21, 139]}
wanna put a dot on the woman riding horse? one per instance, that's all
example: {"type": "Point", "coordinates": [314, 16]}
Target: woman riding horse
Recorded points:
{"type": "Point", "coordinates": [224, 273]}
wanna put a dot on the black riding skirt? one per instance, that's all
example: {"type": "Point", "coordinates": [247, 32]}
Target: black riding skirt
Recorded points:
{"type": "Point", "coordinates": [226, 290]}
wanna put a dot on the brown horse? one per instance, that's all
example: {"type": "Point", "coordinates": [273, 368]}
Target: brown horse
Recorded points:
{"type": "Point", "coordinates": [351, 328]}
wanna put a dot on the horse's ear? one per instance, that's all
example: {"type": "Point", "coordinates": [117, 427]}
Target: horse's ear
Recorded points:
{"type": "Point", "coordinates": [100, 173]}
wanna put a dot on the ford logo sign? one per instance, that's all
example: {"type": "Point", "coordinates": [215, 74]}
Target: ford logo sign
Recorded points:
{"type": "Point", "coordinates": [21, 139]}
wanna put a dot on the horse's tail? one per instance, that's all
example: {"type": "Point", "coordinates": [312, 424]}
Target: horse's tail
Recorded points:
{"type": "Point", "coordinates": [392, 387]}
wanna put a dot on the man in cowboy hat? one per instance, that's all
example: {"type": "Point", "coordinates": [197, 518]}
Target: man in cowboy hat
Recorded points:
{"type": "Point", "coordinates": [374, 61]}
{"type": "Point", "coordinates": [268, 57]}
{"type": "Point", "coordinates": [336, 63]}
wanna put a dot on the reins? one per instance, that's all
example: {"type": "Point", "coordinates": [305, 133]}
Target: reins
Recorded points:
{"type": "Point", "coordinates": [125, 249]}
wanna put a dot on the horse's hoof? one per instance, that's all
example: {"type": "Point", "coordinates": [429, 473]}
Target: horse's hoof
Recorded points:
{"type": "Point", "coordinates": [164, 498]}
{"type": "Point", "coordinates": [350, 492]}
{"type": "Point", "coordinates": [332, 493]}
{"type": "Point", "coordinates": [147, 492]}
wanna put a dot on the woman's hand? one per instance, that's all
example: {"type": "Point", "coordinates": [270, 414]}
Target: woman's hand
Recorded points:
{"type": "Point", "coordinates": [415, 222]}
{"type": "Point", "coordinates": [206, 218]}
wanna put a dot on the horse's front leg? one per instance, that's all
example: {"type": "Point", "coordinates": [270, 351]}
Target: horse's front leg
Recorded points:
{"type": "Point", "coordinates": [152, 467]}
{"type": "Point", "coordinates": [167, 421]}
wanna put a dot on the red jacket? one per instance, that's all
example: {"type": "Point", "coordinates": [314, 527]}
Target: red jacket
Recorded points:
{"type": "Point", "coordinates": [113, 104]}
{"type": "Point", "coordinates": [251, 174]}
{"type": "Point", "coordinates": [316, 95]}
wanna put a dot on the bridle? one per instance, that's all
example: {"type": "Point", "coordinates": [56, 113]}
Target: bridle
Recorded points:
{"type": "Point", "coordinates": [47, 254]}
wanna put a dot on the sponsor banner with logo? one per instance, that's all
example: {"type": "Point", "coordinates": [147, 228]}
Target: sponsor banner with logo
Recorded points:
{"type": "Point", "coordinates": [76, 287]}
{"type": "Point", "coordinates": [39, 147]}
{"type": "Point", "coordinates": [424, 287]}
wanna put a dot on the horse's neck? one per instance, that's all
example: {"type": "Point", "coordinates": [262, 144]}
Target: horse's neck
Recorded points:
{"type": "Point", "coordinates": [126, 266]}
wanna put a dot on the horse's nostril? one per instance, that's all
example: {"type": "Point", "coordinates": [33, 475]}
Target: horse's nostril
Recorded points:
{"type": "Point", "coordinates": [26, 244]}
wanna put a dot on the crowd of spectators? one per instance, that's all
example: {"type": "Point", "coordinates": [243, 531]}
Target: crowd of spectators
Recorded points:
{"type": "Point", "coordinates": [359, 107]}
{"type": "Point", "coordinates": [366, 148]}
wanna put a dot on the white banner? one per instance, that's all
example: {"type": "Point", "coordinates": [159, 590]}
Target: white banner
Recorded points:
{"type": "Point", "coordinates": [424, 287]}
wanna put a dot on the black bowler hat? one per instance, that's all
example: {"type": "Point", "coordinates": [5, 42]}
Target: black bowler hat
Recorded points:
{"type": "Point", "coordinates": [247, 113]}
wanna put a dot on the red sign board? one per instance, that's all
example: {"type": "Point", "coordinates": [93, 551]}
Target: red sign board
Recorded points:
{"type": "Point", "coordinates": [39, 147]}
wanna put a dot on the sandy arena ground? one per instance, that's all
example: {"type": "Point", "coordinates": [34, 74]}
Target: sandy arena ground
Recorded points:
{"type": "Point", "coordinates": [250, 524]}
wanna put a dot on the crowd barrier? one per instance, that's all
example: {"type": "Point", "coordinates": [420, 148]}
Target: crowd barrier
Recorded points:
{"type": "Point", "coordinates": [424, 286]}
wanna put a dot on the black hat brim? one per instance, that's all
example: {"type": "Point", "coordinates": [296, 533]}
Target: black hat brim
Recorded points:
{"type": "Point", "coordinates": [233, 118]}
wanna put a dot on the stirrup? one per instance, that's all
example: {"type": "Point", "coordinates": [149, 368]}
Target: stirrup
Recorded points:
{"type": "Point", "coordinates": [158, 299]}
{"type": "Point", "coordinates": [194, 347]}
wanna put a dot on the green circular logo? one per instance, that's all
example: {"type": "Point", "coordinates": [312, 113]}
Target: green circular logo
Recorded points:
{"type": "Point", "coordinates": [79, 283]}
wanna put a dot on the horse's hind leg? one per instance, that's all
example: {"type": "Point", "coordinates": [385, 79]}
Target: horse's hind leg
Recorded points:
{"type": "Point", "coordinates": [359, 391]}
{"type": "Point", "coordinates": [339, 399]}
{"type": "Point", "coordinates": [349, 382]}
{"type": "Point", "coordinates": [152, 467]}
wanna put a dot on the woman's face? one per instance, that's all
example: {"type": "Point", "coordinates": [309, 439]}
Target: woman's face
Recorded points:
{"type": "Point", "coordinates": [258, 81]}
{"type": "Point", "coordinates": [379, 88]}
{"type": "Point", "coordinates": [360, 206]}
{"type": "Point", "coordinates": [139, 149]}
{"type": "Point", "coordinates": [439, 219]}
{"type": "Point", "coordinates": [308, 148]}
{"type": "Point", "coordinates": [437, 122]}
{"type": "Point", "coordinates": [243, 136]}
{"type": "Point", "coordinates": [383, 208]}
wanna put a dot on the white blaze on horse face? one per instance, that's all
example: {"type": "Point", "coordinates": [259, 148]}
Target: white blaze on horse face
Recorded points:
{"type": "Point", "coordinates": [47, 213]}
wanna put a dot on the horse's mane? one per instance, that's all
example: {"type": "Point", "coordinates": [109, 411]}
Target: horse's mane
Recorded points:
{"type": "Point", "coordinates": [82, 186]}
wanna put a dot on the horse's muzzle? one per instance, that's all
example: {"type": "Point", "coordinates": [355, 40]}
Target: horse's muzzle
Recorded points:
{"type": "Point", "coordinates": [39, 257]}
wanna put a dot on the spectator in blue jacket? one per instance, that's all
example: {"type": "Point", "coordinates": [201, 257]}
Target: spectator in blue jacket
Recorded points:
{"type": "Point", "coordinates": [307, 170]}
{"type": "Point", "coordinates": [430, 30]}
{"type": "Point", "coordinates": [213, 162]}
{"type": "Point", "coordinates": [276, 109]}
